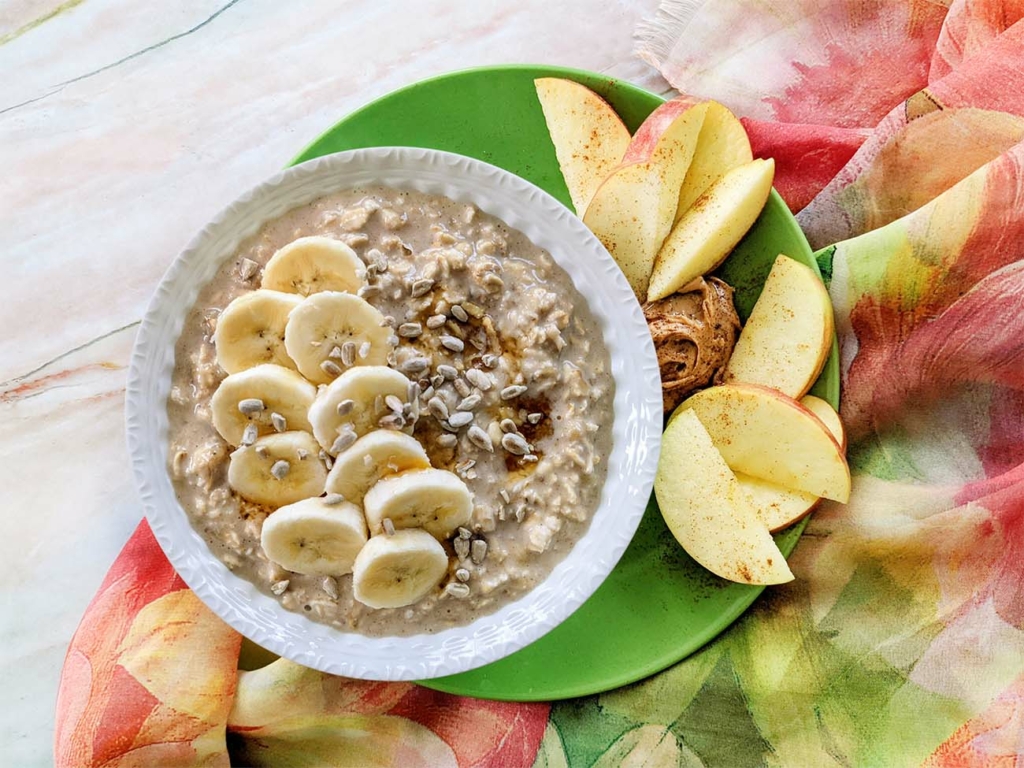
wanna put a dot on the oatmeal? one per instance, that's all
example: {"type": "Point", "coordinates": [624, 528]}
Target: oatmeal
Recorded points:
{"type": "Point", "coordinates": [439, 409]}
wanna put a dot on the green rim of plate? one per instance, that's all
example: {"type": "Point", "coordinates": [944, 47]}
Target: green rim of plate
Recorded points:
{"type": "Point", "coordinates": [658, 606]}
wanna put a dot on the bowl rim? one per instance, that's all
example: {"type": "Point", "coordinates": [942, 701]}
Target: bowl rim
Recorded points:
{"type": "Point", "coordinates": [636, 421]}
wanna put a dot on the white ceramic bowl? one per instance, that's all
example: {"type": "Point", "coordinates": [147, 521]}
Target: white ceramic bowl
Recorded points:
{"type": "Point", "coordinates": [636, 430]}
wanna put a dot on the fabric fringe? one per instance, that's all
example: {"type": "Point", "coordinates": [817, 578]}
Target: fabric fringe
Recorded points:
{"type": "Point", "coordinates": [656, 37]}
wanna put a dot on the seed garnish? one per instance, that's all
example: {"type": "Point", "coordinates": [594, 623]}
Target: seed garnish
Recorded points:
{"type": "Point", "coordinates": [394, 403]}
{"type": "Point", "coordinates": [344, 440]}
{"type": "Point", "coordinates": [513, 391]}
{"type": "Point", "coordinates": [469, 402]}
{"type": "Point", "coordinates": [437, 408]}
{"type": "Point", "coordinates": [330, 368]}
{"type": "Point", "coordinates": [348, 353]}
{"type": "Point", "coordinates": [480, 438]}
{"type": "Point", "coordinates": [410, 330]}
{"type": "Point", "coordinates": [479, 379]}
{"type": "Point", "coordinates": [460, 419]}
{"type": "Point", "coordinates": [249, 435]}
{"type": "Point", "coordinates": [478, 550]}
{"type": "Point", "coordinates": [457, 590]}
{"type": "Point", "coordinates": [462, 574]}
{"type": "Point", "coordinates": [389, 527]}
{"type": "Point", "coordinates": [333, 499]}
{"type": "Point", "coordinates": [462, 387]}
{"type": "Point", "coordinates": [364, 350]}
{"type": "Point", "coordinates": [460, 314]}
{"type": "Point", "coordinates": [447, 372]}
{"type": "Point", "coordinates": [447, 441]}
{"type": "Point", "coordinates": [452, 343]}
{"type": "Point", "coordinates": [280, 468]}
{"type": "Point", "coordinates": [345, 407]}
{"type": "Point", "coordinates": [515, 444]}
{"type": "Point", "coordinates": [247, 268]}
{"type": "Point", "coordinates": [415, 365]}
{"type": "Point", "coordinates": [420, 287]}
{"type": "Point", "coordinates": [461, 548]}
{"type": "Point", "coordinates": [534, 418]}
{"type": "Point", "coordinates": [250, 405]}
{"type": "Point", "coordinates": [331, 587]}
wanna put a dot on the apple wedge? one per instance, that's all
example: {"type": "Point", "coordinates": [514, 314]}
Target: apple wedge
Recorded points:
{"type": "Point", "coordinates": [781, 507]}
{"type": "Point", "coordinates": [828, 416]}
{"type": "Point", "coordinates": [721, 146]}
{"type": "Point", "coordinates": [589, 138]}
{"type": "Point", "coordinates": [707, 511]}
{"type": "Point", "coordinates": [710, 229]}
{"type": "Point", "coordinates": [787, 338]}
{"type": "Point", "coordinates": [632, 211]}
{"type": "Point", "coordinates": [767, 435]}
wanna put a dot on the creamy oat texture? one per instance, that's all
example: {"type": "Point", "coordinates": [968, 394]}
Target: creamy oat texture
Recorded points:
{"type": "Point", "coordinates": [521, 323]}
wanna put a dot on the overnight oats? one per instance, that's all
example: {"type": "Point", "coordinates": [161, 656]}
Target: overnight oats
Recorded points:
{"type": "Point", "coordinates": [391, 412]}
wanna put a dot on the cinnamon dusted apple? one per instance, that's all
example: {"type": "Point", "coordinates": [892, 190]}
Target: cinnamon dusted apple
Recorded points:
{"type": "Point", "coordinates": [694, 334]}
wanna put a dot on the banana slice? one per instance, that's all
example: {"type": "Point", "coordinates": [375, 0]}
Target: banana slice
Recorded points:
{"type": "Point", "coordinates": [397, 570]}
{"type": "Point", "coordinates": [272, 398]}
{"type": "Point", "coordinates": [433, 499]}
{"type": "Point", "coordinates": [278, 469]}
{"type": "Point", "coordinates": [314, 537]}
{"type": "Point", "coordinates": [313, 264]}
{"type": "Point", "coordinates": [250, 330]}
{"type": "Point", "coordinates": [373, 456]}
{"type": "Point", "coordinates": [331, 332]}
{"type": "Point", "coordinates": [332, 414]}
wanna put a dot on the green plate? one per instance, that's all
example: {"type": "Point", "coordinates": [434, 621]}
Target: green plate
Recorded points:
{"type": "Point", "coordinates": [658, 605]}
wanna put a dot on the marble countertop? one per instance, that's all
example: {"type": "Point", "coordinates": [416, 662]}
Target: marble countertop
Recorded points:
{"type": "Point", "coordinates": [122, 130]}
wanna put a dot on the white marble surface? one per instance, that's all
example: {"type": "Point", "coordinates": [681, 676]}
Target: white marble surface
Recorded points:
{"type": "Point", "coordinates": [123, 126]}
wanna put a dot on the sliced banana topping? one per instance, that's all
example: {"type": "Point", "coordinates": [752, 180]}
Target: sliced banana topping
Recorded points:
{"type": "Point", "coordinates": [269, 397]}
{"type": "Point", "coordinates": [349, 406]}
{"type": "Point", "coordinates": [250, 330]}
{"type": "Point", "coordinates": [328, 332]}
{"type": "Point", "coordinates": [433, 499]}
{"type": "Point", "coordinates": [371, 457]}
{"type": "Point", "coordinates": [313, 264]}
{"type": "Point", "coordinates": [278, 469]}
{"type": "Point", "coordinates": [396, 570]}
{"type": "Point", "coordinates": [314, 537]}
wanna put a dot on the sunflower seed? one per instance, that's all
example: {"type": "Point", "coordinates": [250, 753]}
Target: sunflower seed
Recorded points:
{"type": "Point", "coordinates": [394, 421]}
{"type": "Point", "coordinates": [415, 365]}
{"type": "Point", "coordinates": [515, 444]}
{"type": "Point", "coordinates": [367, 461]}
{"type": "Point", "coordinates": [489, 360]}
{"type": "Point", "coordinates": [345, 439]}
{"type": "Point", "coordinates": [335, 354]}
{"type": "Point", "coordinates": [531, 458]}
{"type": "Point", "coordinates": [410, 330]}
{"type": "Point", "coordinates": [452, 343]}
{"type": "Point", "coordinates": [249, 435]}
{"type": "Point", "coordinates": [326, 459]}
{"type": "Point", "coordinates": [460, 419]}
{"type": "Point", "coordinates": [492, 282]}
{"type": "Point", "coordinates": [330, 368]}
{"type": "Point", "coordinates": [389, 527]}
{"type": "Point", "coordinates": [479, 340]}
{"type": "Point", "coordinates": [504, 495]}
{"type": "Point", "coordinates": [387, 322]}
{"type": "Point", "coordinates": [279, 587]}
{"type": "Point", "coordinates": [480, 438]}
{"type": "Point", "coordinates": [333, 499]}
{"type": "Point", "coordinates": [461, 548]}
{"type": "Point", "coordinates": [508, 426]}
{"type": "Point", "coordinates": [364, 350]}
{"type": "Point", "coordinates": [437, 408]}
{"type": "Point", "coordinates": [479, 379]}
{"type": "Point", "coordinates": [261, 451]}
{"type": "Point", "coordinates": [513, 391]}
{"type": "Point", "coordinates": [462, 574]}
{"type": "Point", "coordinates": [469, 402]}
{"type": "Point", "coordinates": [279, 422]}
{"type": "Point", "coordinates": [479, 551]}
{"type": "Point", "coordinates": [331, 587]}
{"type": "Point", "coordinates": [394, 403]}
{"type": "Point", "coordinates": [421, 287]}
{"type": "Point", "coordinates": [367, 291]}
{"type": "Point", "coordinates": [348, 353]}
{"type": "Point", "coordinates": [378, 404]}
{"type": "Point", "coordinates": [464, 466]}
{"type": "Point", "coordinates": [534, 418]}
{"type": "Point", "coordinates": [436, 380]}
{"type": "Point", "coordinates": [460, 314]}
{"type": "Point", "coordinates": [345, 407]}
{"type": "Point", "coordinates": [520, 513]}
{"type": "Point", "coordinates": [448, 372]}
{"type": "Point", "coordinates": [247, 269]}
{"type": "Point", "coordinates": [250, 405]}
{"type": "Point", "coordinates": [280, 468]}
{"type": "Point", "coordinates": [447, 441]}
{"type": "Point", "coordinates": [393, 340]}
{"type": "Point", "coordinates": [464, 533]}
{"type": "Point", "coordinates": [456, 590]}
{"type": "Point", "coordinates": [302, 453]}
{"type": "Point", "coordinates": [461, 387]}
{"type": "Point", "coordinates": [436, 321]}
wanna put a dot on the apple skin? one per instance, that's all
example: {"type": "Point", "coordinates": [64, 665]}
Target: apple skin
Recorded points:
{"type": "Point", "coordinates": [589, 137]}
{"type": "Point", "coordinates": [765, 434]}
{"type": "Point", "coordinates": [786, 340]}
{"type": "Point", "coordinates": [632, 211]}
{"type": "Point", "coordinates": [828, 416]}
{"type": "Point", "coordinates": [707, 232]}
{"type": "Point", "coordinates": [722, 145]}
{"type": "Point", "coordinates": [708, 512]}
